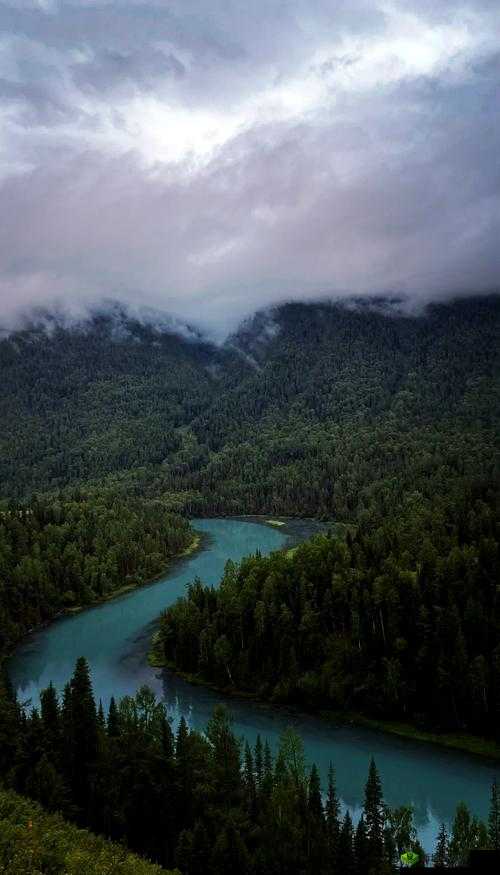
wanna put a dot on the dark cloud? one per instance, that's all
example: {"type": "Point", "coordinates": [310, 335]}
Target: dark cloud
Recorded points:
{"type": "Point", "coordinates": [212, 158]}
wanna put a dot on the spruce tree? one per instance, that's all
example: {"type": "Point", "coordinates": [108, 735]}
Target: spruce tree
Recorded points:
{"type": "Point", "coordinates": [314, 802]}
{"type": "Point", "coordinates": [101, 720]}
{"type": "Point", "coordinates": [374, 817]}
{"type": "Point", "coordinates": [84, 731]}
{"type": "Point", "coordinates": [461, 836]}
{"type": "Point", "coordinates": [332, 817]}
{"type": "Point", "coordinates": [225, 749]}
{"type": "Point", "coordinates": [51, 720]}
{"type": "Point", "coordinates": [361, 848]}
{"type": "Point", "coordinates": [346, 863]}
{"type": "Point", "coordinates": [183, 774]}
{"type": "Point", "coordinates": [440, 856]}
{"type": "Point", "coordinates": [113, 727]}
{"type": "Point", "coordinates": [181, 739]}
{"type": "Point", "coordinates": [67, 743]}
{"type": "Point", "coordinates": [167, 739]}
{"type": "Point", "coordinates": [316, 849]}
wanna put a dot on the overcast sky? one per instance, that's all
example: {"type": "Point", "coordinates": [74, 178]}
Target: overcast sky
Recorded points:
{"type": "Point", "coordinates": [212, 156]}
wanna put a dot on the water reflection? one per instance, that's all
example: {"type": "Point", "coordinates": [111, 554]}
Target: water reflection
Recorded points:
{"type": "Point", "coordinates": [115, 639]}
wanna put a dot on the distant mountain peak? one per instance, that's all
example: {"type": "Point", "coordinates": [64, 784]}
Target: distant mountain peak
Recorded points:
{"type": "Point", "coordinates": [120, 320]}
{"type": "Point", "coordinates": [255, 335]}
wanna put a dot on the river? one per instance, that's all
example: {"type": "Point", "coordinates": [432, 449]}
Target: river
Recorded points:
{"type": "Point", "coordinates": [115, 638]}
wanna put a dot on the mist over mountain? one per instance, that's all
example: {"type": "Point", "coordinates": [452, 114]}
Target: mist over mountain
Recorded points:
{"type": "Point", "coordinates": [281, 401]}
{"type": "Point", "coordinates": [249, 268]}
{"type": "Point", "coordinates": [355, 150]}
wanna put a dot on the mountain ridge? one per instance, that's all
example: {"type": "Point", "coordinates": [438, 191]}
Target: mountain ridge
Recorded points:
{"type": "Point", "coordinates": [283, 394]}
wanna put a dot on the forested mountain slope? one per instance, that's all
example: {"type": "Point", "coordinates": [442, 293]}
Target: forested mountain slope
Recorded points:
{"type": "Point", "coordinates": [345, 404]}
{"type": "Point", "coordinates": [320, 408]}
{"type": "Point", "coordinates": [108, 394]}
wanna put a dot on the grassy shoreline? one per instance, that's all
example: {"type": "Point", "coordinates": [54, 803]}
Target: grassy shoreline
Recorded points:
{"type": "Point", "coordinates": [462, 742]}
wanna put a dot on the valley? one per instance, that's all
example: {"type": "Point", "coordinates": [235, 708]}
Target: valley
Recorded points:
{"type": "Point", "coordinates": [333, 471]}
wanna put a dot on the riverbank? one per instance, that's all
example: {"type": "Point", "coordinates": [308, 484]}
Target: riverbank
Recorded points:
{"type": "Point", "coordinates": [472, 744]}
{"type": "Point", "coordinates": [129, 587]}
{"type": "Point", "coordinates": [459, 741]}
{"type": "Point", "coordinates": [193, 547]}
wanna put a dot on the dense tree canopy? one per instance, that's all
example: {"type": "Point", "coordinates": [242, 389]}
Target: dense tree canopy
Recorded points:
{"type": "Point", "coordinates": [201, 801]}
{"type": "Point", "coordinates": [398, 618]}
{"type": "Point", "coordinates": [311, 409]}
{"type": "Point", "coordinates": [384, 422]}
{"type": "Point", "coordinates": [60, 553]}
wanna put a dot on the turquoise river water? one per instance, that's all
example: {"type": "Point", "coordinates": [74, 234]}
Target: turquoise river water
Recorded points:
{"type": "Point", "coordinates": [115, 638]}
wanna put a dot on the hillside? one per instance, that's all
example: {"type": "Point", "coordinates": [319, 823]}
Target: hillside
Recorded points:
{"type": "Point", "coordinates": [308, 409]}
{"type": "Point", "coordinates": [83, 400]}
{"type": "Point", "coordinates": [33, 841]}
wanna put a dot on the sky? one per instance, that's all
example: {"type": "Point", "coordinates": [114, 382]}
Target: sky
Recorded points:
{"type": "Point", "coordinates": [211, 157]}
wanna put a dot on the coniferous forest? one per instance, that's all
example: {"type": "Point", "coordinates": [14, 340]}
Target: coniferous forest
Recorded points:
{"type": "Point", "coordinates": [204, 803]}
{"type": "Point", "coordinates": [61, 554]}
{"type": "Point", "coordinates": [112, 436]}
{"type": "Point", "coordinates": [249, 437]}
{"type": "Point", "coordinates": [383, 620]}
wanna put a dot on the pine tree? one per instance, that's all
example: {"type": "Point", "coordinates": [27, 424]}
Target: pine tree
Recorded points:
{"type": "Point", "coordinates": [316, 847]}
{"type": "Point", "coordinates": [461, 834]}
{"type": "Point", "coordinates": [468, 834]}
{"type": "Point", "coordinates": [51, 720]}
{"type": "Point", "coordinates": [113, 726]}
{"type": "Point", "coordinates": [440, 855]}
{"type": "Point", "coordinates": [167, 739]}
{"type": "Point", "coordinates": [494, 818]}
{"type": "Point", "coordinates": [361, 848]}
{"type": "Point", "coordinates": [373, 812]}
{"type": "Point", "coordinates": [314, 803]}
{"type": "Point", "coordinates": [346, 863]}
{"type": "Point", "coordinates": [68, 745]}
{"type": "Point", "coordinates": [332, 817]}
{"type": "Point", "coordinates": [181, 740]}
{"type": "Point", "coordinates": [84, 731]}
{"type": "Point", "coordinates": [292, 750]}
{"type": "Point", "coordinates": [183, 773]}
{"type": "Point", "coordinates": [225, 755]}
{"type": "Point", "coordinates": [101, 720]}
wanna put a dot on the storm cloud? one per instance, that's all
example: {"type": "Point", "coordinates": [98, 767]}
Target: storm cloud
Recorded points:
{"type": "Point", "coordinates": [209, 158]}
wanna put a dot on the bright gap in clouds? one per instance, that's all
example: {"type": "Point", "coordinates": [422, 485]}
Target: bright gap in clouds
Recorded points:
{"type": "Point", "coordinates": [164, 131]}
{"type": "Point", "coordinates": [168, 133]}
{"type": "Point", "coordinates": [210, 158]}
